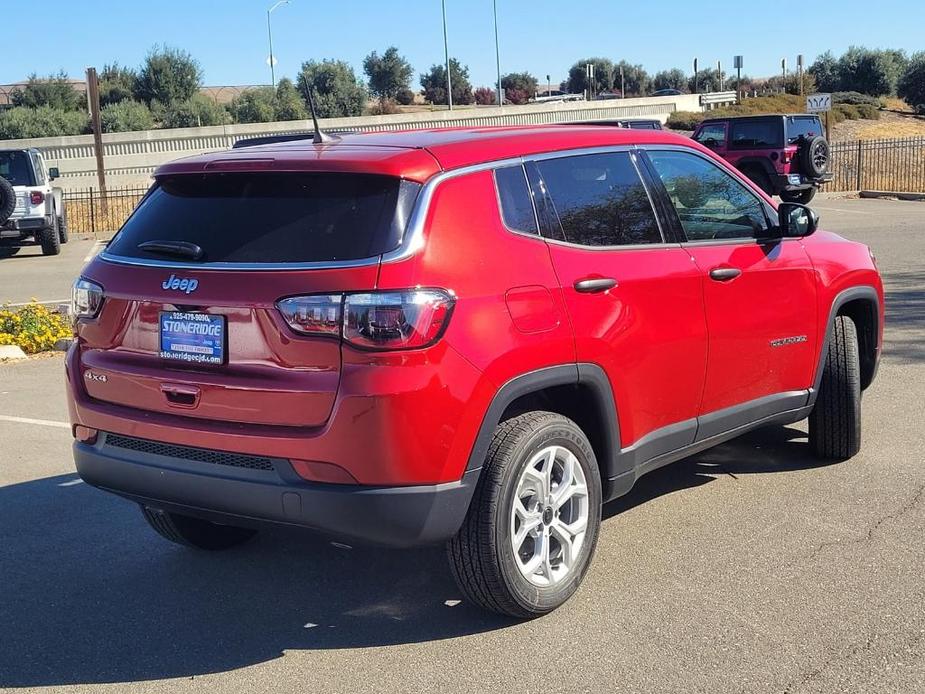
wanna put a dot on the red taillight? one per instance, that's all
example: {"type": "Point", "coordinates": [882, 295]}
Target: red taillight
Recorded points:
{"type": "Point", "coordinates": [373, 320]}
{"type": "Point", "coordinates": [36, 197]}
{"type": "Point", "coordinates": [313, 315]}
{"type": "Point", "coordinates": [396, 320]}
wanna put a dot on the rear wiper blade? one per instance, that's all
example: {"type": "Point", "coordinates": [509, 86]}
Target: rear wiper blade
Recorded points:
{"type": "Point", "coordinates": [179, 249]}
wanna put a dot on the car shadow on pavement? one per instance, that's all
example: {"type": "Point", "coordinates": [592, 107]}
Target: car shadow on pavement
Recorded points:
{"type": "Point", "coordinates": [91, 595]}
{"type": "Point", "coordinates": [904, 306]}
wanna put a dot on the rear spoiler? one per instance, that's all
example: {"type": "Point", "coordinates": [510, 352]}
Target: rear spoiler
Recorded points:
{"type": "Point", "coordinates": [271, 139]}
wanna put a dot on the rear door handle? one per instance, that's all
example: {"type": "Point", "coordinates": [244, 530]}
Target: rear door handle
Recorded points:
{"type": "Point", "coordinates": [595, 284]}
{"type": "Point", "coordinates": [724, 274]}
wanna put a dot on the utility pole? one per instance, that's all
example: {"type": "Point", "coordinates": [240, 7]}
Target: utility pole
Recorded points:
{"type": "Point", "coordinates": [696, 86]}
{"type": "Point", "coordinates": [722, 80]}
{"type": "Point", "coordinates": [446, 55]}
{"type": "Point", "coordinates": [737, 64]}
{"type": "Point", "coordinates": [93, 95]}
{"type": "Point", "coordinates": [800, 72]}
{"type": "Point", "coordinates": [271, 59]}
{"type": "Point", "coordinates": [622, 84]}
{"type": "Point", "coordinates": [498, 55]}
{"type": "Point", "coordinates": [548, 85]}
{"type": "Point", "coordinates": [783, 69]}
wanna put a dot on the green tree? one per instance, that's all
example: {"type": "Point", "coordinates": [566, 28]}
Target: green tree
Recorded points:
{"type": "Point", "coordinates": [55, 91]}
{"type": "Point", "coordinates": [873, 72]}
{"type": "Point", "coordinates": [577, 81]}
{"type": "Point", "coordinates": [116, 83]}
{"type": "Point", "coordinates": [198, 111]}
{"type": "Point", "coordinates": [289, 104]}
{"type": "Point", "coordinates": [912, 83]}
{"type": "Point", "coordinates": [126, 116]}
{"type": "Point", "coordinates": [388, 74]}
{"type": "Point", "coordinates": [708, 80]}
{"type": "Point", "coordinates": [519, 87]}
{"type": "Point", "coordinates": [636, 81]}
{"type": "Point", "coordinates": [434, 84]}
{"type": "Point", "coordinates": [338, 92]}
{"type": "Point", "coordinates": [825, 71]}
{"type": "Point", "coordinates": [670, 79]}
{"type": "Point", "coordinates": [168, 75]}
{"type": "Point", "coordinates": [254, 106]}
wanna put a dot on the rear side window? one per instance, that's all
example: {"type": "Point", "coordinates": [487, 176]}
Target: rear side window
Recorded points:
{"type": "Point", "coordinates": [712, 134]}
{"type": "Point", "coordinates": [802, 127]}
{"type": "Point", "coordinates": [756, 134]}
{"type": "Point", "coordinates": [600, 200]}
{"type": "Point", "coordinates": [516, 203]}
{"type": "Point", "coordinates": [271, 218]}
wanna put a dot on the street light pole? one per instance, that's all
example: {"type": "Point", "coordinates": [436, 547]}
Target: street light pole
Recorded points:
{"type": "Point", "coordinates": [446, 53]}
{"type": "Point", "coordinates": [498, 54]}
{"type": "Point", "coordinates": [270, 40]}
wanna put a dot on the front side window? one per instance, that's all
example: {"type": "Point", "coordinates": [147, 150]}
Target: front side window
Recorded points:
{"type": "Point", "coordinates": [516, 203]}
{"type": "Point", "coordinates": [600, 200]}
{"type": "Point", "coordinates": [757, 133]}
{"type": "Point", "coordinates": [710, 203]}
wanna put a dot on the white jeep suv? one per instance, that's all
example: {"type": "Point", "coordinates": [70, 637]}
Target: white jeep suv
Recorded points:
{"type": "Point", "coordinates": [29, 206]}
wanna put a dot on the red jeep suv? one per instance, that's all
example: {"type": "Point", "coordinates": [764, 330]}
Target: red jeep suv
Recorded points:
{"type": "Point", "coordinates": [470, 336]}
{"type": "Point", "coordinates": [785, 155]}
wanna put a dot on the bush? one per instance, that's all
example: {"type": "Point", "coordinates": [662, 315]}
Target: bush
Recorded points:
{"type": "Point", "coordinates": [869, 112]}
{"type": "Point", "coordinates": [405, 97]}
{"type": "Point", "coordinates": [33, 328]}
{"type": "Point", "coordinates": [200, 111]}
{"type": "Point", "coordinates": [55, 91]}
{"type": "Point", "coordinates": [848, 111]}
{"type": "Point", "coordinates": [484, 96]}
{"type": "Point", "coordinates": [856, 99]}
{"type": "Point", "coordinates": [383, 108]}
{"type": "Point", "coordinates": [337, 90]}
{"type": "Point", "coordinates": [254, 106]}
{"type": "Point", "coordinates": [44, 121]}
{"type": "Point", "coordinates": [125, 116]}
{"type": "Point", "coordinates": [686, 120]}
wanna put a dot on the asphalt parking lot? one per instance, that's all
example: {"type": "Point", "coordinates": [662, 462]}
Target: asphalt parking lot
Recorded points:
{"type": "Point", "coordinates": [748, 568]}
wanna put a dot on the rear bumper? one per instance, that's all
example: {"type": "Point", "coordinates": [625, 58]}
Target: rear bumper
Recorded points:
{"type": "Point", "coordinates": [394, 516]}
{"type": "Point", "coordinates": [30, 224]}
{"type": "Point", "coordinates": [800, 182]}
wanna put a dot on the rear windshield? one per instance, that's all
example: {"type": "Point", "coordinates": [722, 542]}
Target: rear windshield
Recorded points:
{"type": "Point", "coordinates": [16, 168]}
{"type": "Point", "coordinates": [802, 127]}
{"type": "Point", "coordinates": [271, 218]}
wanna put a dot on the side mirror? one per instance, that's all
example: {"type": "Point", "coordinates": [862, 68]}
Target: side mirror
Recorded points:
{"type": "Point", "coordinates": [795, 220]}
{"type": "Point", "coordinates": [53, 173]}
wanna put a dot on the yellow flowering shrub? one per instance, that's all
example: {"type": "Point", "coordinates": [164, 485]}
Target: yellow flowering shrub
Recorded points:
{"type": "Point", "coordinates": [33, 327]}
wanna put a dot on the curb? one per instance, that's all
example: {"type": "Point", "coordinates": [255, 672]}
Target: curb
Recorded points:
{"type": "Point", "coordinates": [887, 194]}
{"type": "Point", "coordinates": [11, 352]}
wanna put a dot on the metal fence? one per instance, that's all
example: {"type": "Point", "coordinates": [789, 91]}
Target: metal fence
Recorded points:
{"type": "Point", "coordinates": [895, 165]}
{"type": "Point", "coordinates": [88, 212]}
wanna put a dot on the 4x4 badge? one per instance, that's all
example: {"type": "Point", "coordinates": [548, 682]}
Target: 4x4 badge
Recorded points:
{"type": "Point", "coordinates": [185, 285]}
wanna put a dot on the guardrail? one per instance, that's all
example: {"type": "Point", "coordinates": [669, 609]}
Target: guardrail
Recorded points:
{"type": "Point", "coordinates": [717, 99]}
{"type": "Point", "coordinates": [130, 158]}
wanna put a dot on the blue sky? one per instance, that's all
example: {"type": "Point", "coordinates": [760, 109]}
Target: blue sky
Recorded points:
{"type": "Point", "coordinates": [541, 36]}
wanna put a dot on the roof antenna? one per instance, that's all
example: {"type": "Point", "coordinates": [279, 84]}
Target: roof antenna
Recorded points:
{"type": "Point", "coordinates": [320, 136]}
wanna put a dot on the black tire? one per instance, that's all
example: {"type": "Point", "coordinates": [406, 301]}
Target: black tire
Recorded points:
{"type": "Point", "coordinates": [760, 178]}
{"type": "Point", "coordinates": [62, 226]}
{"type": "Point", "coordinates": [49, 238]}
{"type": "Point", "coordinates": [195, 532]}
{"type": "Point", "coordinates": [835, 422]}
{"type": "Point", "coordinates": [481, 554]}
{"type": "Point", "coordinates": [801, 196]}
{"type": "Point", "coordinates": [7, 200]}
{"type": "Point", "coordinates": [814, 156]}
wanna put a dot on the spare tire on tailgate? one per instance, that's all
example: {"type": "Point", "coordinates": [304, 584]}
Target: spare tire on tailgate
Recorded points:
{"type": "Point", "coordinates": [7, 200]}
{"type": "Point", "coordinates": [814, 156]}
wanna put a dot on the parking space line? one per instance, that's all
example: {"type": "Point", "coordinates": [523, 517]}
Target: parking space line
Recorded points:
{"type": "Point", "coordinates": [96, 248]}
{"type": "Point", "coordinates": [841, 209]}
{"type": "Point", "coordinates": [29, 420]}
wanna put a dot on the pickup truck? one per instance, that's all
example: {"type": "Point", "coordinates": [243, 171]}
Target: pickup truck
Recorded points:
{"type": "Point", "coordinates": [30, 207]}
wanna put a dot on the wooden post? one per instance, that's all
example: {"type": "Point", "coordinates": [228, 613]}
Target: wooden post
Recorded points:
{"type": "Point", "coordinates": [93, 93]}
